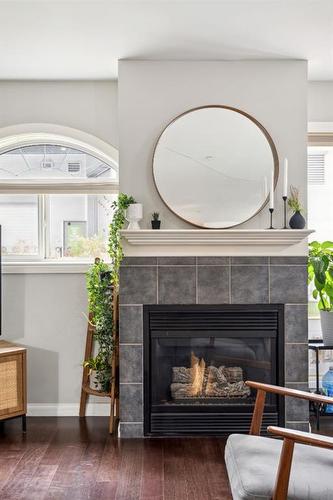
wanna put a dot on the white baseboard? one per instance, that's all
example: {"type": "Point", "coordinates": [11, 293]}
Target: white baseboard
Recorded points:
{"type": "Point", "coordinates": [67, 409]}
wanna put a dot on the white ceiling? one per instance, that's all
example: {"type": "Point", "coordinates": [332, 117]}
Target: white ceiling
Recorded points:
{"type": "Point", "coordinates": [83, 39]}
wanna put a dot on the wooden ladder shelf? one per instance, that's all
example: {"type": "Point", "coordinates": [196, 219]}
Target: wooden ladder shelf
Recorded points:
{"type": "Point", "coordinates": [86, 390]}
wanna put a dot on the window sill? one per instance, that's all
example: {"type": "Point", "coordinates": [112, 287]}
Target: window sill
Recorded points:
{"type": "Point", "coordinates": [45, 267]}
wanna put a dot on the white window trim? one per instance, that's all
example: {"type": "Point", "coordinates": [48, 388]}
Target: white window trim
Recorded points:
{"type": "Point", "coordinates": [46, 267]}
{"type": "Point", "coordinates": [54, 186]}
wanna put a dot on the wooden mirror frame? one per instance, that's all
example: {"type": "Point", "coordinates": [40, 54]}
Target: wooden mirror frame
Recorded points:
{"type": "Point", "coordinates": [257, 123]}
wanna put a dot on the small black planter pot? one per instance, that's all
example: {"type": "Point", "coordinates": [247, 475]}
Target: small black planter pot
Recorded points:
{"type": "Point", "coordinates": [155, 224]}
{"type": "Point", "coordinates": [297, 221]}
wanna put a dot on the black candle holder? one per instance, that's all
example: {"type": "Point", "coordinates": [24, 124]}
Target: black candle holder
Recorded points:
{"type": "Point", "coordinates": [285, 198]}
{"type": "Point", "coordinates": [271, 210]}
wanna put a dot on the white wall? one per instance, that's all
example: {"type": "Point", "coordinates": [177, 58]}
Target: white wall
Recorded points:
{"type": "Point", "coordinates": [45, 311]}
{"type": "Point", "coordinates": [151, 93]}
{"type": "Point", "coordinates": [320, 102]}
{"type": "Point", "coordinates": [90, 106]}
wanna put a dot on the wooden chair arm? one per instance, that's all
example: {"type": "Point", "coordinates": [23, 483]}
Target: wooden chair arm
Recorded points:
{"type": "Point", "coordinates": [290, 437]}
{"type": "Point", "coordinates": [294, 393]}
{"type": "Point", "coordinates": [302, 437]}
{"type": "Point", "coordinates": [262, 389]}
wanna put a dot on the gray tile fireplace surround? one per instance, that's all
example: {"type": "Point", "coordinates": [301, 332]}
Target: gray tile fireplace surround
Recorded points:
{"type": "Point", "coordinates": [210, 280]}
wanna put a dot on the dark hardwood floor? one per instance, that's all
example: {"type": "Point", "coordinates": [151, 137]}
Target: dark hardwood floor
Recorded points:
{"type": "Point", "coordinates": [69, 458]}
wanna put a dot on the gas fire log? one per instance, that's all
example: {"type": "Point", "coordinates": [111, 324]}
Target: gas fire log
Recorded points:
{"type": "Point", "coordinates": [214, 390]}
{"type": "Point", "coordinates": [197, 375]}
{"type": "Point", "coordinates": [204, 382]}
{"type": "Point", "coordinates": [222, 374]}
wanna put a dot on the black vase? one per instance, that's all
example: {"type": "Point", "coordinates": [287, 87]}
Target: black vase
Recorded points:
{"type": "Point", "coordinates": [155, 224]}
{"type": "Point", "coordinates": [297, 221]}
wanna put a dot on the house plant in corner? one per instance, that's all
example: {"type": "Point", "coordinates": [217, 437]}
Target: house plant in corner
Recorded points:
{"type": "Point", "coordinates": [102, 283]}
{"type": "Point", "coordinates": [101, 319]}
{"type": "Point", "coordinates": [320, 276]}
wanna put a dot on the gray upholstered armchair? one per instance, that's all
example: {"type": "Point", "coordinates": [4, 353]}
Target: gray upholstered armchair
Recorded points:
{"type": "Point", "coordinates": [298, 468]}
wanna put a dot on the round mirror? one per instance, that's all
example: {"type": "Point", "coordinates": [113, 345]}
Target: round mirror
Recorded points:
{"type": "Point", "coordinates": [212, 166]}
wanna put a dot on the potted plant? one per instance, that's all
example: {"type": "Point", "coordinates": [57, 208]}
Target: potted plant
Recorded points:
{"type": "Point", "coordinates": [133, 214]}
{"type": "Point", "coordinates": [320, 276]}
{"type": "Point", "coordinates": [155, 223]}
{"type": "Point", "coordinates": [102, 283]}
{"type": "Point", "coordinates": [101, 318]}
{"type": "Point", "coordinates": [297, 220]}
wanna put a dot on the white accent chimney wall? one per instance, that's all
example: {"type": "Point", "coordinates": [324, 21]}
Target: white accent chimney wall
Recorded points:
{"type": "Point", "coordinates": [152, 93]}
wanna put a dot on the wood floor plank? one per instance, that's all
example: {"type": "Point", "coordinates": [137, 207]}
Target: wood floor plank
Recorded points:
{"type": "Point", "coordinates": [195, 468]}
{"type": "Point", "coordinates": [105, 490]}
{"type": "Point", "coordinates": [174, 482]}
{"type": "Point", "coordinates": [68, 470]}
{"type": "Point", "coordinates": [17, 484]}
{"type": "Point", "coordinates": [90, 462]}
{"type": "Point", "coordinates": [7, 466]}
{"type": "Point", "coordinates": [56, 493]}
{"type": "Point", "coordinates": [109, 466]}
{"type": "Point", "coordinates": [152, 470]}
{"type": "Point", "coordinates": [214, 468]}
{"type": "Point", "coordinates": [39, 485]}
{"type": "Point", "coordinates": [130, 473]}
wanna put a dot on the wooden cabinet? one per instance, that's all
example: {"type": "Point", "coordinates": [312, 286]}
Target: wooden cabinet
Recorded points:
{"type": "Point", "coordinates": [13, 392]}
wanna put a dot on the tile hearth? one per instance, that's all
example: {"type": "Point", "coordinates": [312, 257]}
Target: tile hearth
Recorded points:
{"type": "Point", "coordinates": [210, 280]}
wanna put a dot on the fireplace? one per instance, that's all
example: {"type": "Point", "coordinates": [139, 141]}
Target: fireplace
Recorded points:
{"type": "Point", "coordinates": [197, 359]}
{"type": "Point", "coordinates": [231, 284]}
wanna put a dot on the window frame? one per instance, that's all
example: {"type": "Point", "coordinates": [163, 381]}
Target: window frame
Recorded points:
{"type": "Point", "coordinates": [42, 188]}
{"type": "Point", "coordinates": [319, 135]}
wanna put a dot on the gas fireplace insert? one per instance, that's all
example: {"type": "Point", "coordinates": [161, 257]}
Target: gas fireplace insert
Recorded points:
{"type": "Point", "coordinates": [197, 359]}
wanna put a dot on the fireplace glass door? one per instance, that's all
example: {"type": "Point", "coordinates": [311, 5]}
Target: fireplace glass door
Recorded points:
{"type": "Point", "coordinates": [197, 360]}
{"type": "Point", "coordinates": [205, 369]}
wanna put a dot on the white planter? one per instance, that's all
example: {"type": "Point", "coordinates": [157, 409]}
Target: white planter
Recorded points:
{"type": "Point", "coordinates": [326, 319]}
{"type": "Point", "coordinates": [94, 384]}
{"type": "Point", "coordinates": [133, 215]}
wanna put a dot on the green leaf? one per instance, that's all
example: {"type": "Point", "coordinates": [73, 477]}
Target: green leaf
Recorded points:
{"type": "Point", "coordinates": [314, 244]}
{"type": "Point", "coordinates": [329, 290]}
{"type": "Point", "coordinates": [330, 273]}
{"type": "Point", "coordinates": [315, 294]}
{"type": "Point", "coordinates": [320, 265]}
{"type": "Point", "coordinates": [319, 285]}
{"type": "Point", "coordinates": [327, 244]}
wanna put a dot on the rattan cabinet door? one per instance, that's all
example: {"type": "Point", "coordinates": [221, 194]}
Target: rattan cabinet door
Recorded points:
{"type": "Point", "coordinates": [11, 385]}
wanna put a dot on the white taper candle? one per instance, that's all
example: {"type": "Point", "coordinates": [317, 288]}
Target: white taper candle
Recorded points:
{"type": "Point", "coordinates": [265, 187]}
{"type": "Point", "coordinates": [285, 178]}
{"type": "Point", "coordinates": [271, 192]}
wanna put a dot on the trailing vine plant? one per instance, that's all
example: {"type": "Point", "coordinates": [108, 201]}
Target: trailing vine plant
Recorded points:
{"type": "Point", "coordinates": [102, 280]}
{"type": "Point", "coordinates": [115, 249]}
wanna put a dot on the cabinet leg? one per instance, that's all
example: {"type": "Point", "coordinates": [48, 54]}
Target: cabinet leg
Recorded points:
{"type": "Point", "coordinates": [24, 423]}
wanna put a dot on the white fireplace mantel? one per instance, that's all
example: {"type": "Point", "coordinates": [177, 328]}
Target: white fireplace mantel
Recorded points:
{"type": "Point", "coordinates": [215, 242]}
